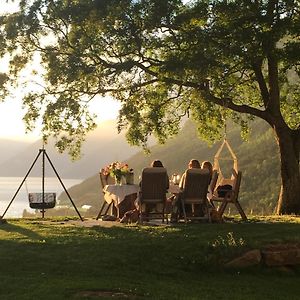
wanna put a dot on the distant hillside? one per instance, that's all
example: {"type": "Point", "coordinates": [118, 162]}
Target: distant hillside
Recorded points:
{"type": "Point", "coordinates": [258, 160]}
{"type": "Point", "coordinates": [101, 146]}
{"type": "Point", "coordinates": [10, 148]}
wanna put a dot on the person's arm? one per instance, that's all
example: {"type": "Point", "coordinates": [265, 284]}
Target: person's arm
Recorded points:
{"type": "Point", "coordinates": [168, 181]}
{"type": "Point", "coordinates": [182, 180]}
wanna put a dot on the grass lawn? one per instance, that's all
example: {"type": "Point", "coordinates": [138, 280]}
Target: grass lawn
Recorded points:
{"type": "Point", "coordinates": [58, 260]}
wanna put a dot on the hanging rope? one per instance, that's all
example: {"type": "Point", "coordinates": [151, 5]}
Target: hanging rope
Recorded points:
{"type": "Point", "coordinates": [218, 158]}
{"type": "Point", "coordinates": [225, 126]}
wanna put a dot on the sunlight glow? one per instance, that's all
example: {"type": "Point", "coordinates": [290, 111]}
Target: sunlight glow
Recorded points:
{"type": "Point", "coordinates": [9, 7]}
{"type": "Point", "coordinates": [11, 114]}
{"type": "Point", "coordinates": [11, 111]}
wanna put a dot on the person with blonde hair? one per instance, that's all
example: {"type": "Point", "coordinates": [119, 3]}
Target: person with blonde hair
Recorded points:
{"type": "Point", "coordinates": [207, 165]}
{"type": "Point", "coordinates": [193, 164]}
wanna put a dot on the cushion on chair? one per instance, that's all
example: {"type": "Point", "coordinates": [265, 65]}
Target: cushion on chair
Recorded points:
{"type": "Point", "coordinates": [223, 189]}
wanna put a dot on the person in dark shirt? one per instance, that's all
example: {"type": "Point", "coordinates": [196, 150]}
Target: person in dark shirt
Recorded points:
{"type": "Point", "coordinates": [158, 164]}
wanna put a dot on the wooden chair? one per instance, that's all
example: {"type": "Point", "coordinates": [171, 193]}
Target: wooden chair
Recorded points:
{"type": "Point", "coordinates": [153, 191]}
{"type": "Point", "coordinates": [105, 180]}
{"type": "Point", "coordinates": [231, 196]}
{"type": "Point", "coordinates": [194, 194]}
{"type": "Point", "coordinates": [213, 181]}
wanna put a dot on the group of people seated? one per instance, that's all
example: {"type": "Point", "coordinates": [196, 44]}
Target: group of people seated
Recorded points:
{"type": "Point", "coordinates": [193, 164]}
{"type": "Point", "coordinates": [173, 201]}
{"type": "Point", "coordinates": [176, 205]}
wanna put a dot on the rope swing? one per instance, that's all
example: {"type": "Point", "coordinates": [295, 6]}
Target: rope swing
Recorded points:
{"type": "Point", "coordinates": [218, 157]}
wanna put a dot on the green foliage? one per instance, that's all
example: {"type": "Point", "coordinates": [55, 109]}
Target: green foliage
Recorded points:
{"type": "Point", "coordinates": [160, 59]}
{"type": "Point", "coordinates": [227, 246]}
{"type": "Point", "coordinates": [3, 80]}
{"type": "Point", "coordinates": [228, 241]}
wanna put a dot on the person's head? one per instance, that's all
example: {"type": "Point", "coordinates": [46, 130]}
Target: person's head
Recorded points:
{"type": "Point", "coordinates": [157, 164]}
{"type": "Point", "coordinates": [194, 164]}
{"type": "Point", "coordinates": [207, 165]}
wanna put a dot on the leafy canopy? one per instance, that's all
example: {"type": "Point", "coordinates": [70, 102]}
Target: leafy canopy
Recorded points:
{"type": "Point", "coordinates": [164, 60]}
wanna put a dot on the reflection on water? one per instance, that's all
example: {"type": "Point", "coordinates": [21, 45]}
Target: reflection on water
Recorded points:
{"type": "Point", "coordinates": [9, 186]}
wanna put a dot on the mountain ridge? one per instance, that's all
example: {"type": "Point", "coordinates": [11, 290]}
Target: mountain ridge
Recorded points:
{"type": "Point", "coordinates": [9, 148]}
{"type": "Point", "coordinates": [101, 146]}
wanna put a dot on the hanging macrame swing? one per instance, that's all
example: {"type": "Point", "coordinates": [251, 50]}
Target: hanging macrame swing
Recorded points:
{"type": "Point", "coordinates": [232, 182]}
{"type": "Point", "coordinates": [224, 180]}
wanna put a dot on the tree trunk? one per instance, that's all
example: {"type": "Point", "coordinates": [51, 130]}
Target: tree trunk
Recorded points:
{"type": "Point", "coordinates": [289, 198]}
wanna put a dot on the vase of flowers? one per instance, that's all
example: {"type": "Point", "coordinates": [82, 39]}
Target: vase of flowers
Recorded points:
{"type": "Point", "coordinates": [117, 170]}
{"type": "Point", "coordinates": [129, 177]}
{"type": "Point", "coordinates": [118, 179]}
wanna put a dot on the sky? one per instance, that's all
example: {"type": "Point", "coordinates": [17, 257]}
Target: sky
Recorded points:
{"type": "Point", "coordinates": [12, 127]}
{"type": "Point", "coordinates": [11, 112]}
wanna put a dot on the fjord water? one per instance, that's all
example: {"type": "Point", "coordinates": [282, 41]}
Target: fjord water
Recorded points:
{"type": "Point", "coordinates": [9, 186]}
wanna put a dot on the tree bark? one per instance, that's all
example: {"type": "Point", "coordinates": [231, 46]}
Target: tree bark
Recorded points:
{"type": "Point", "coordinates": [289, 197]}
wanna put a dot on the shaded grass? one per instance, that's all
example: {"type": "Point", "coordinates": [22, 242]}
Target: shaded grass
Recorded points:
{"type": "Point", "coordinates": [55, 261]}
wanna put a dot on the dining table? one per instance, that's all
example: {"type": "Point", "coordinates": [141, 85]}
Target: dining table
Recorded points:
{"type": "Point", "coordinates": [122, 196]}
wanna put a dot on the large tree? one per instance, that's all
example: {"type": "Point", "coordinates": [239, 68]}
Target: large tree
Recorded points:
{"type": "Point", "coordinates": [209, 60]}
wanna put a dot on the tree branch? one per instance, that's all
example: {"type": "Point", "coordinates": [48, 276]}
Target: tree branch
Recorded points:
{"type": "Point", "coordinates": [273, 83]}
{"type": "Point", "coordinates": [262, 83]}
{"type": "Point", "coordinates": [245, 109]}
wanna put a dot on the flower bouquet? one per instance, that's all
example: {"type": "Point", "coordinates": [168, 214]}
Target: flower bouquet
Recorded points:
{"type": "Point", "coordinates": [117, 170]}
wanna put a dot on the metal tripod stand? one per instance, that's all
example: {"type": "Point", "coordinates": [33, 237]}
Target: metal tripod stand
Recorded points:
{"type": "Point", "coordinates": [44, 155]}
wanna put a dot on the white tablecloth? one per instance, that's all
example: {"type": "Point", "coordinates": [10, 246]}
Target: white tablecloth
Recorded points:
{"type": "Point", "coordinates": [117, 193]}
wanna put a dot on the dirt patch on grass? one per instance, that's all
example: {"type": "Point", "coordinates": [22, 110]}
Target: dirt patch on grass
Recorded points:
{"type": "Point", "coordinates": [89, 222]}
{"type": "Point", "coordinates": [106, 294]}
{"type": "Point", "coordinates": [108, 224]}
{"type": "Point", "coordinates": [93, 222]}
{"type": "Point", "coordinates": [85, 223]}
